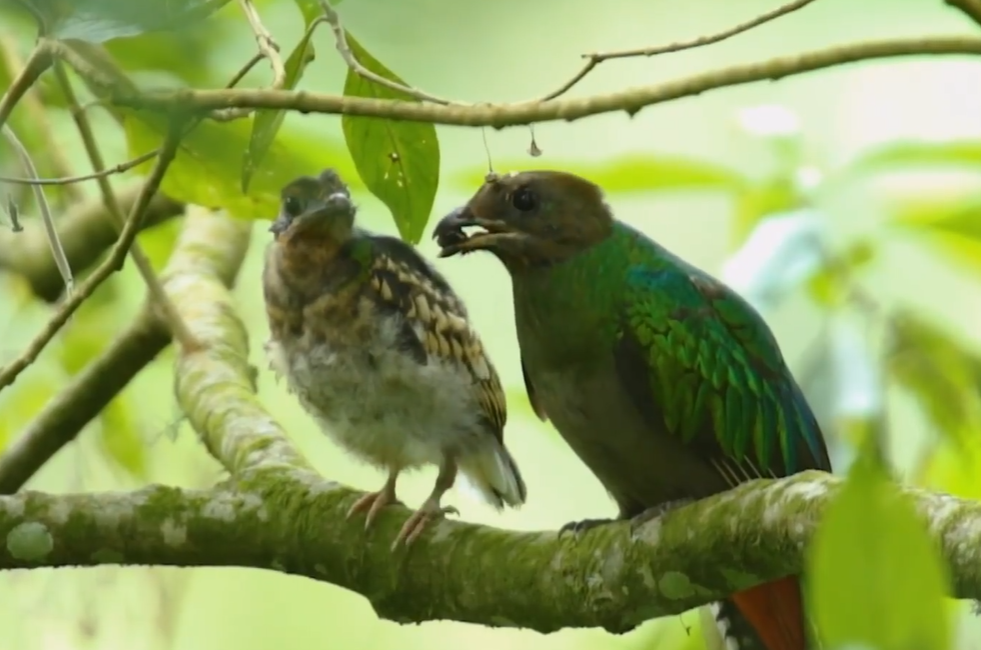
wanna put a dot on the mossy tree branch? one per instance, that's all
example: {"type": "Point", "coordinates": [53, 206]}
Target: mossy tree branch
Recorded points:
{"type": "Point", "coordinates": [292, 522]}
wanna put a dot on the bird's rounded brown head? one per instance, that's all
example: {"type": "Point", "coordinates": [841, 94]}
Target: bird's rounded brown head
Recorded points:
{"type": "Point", "coordinates": [528, 218]}
{"type": "Point", "coordinates": [320, 207]}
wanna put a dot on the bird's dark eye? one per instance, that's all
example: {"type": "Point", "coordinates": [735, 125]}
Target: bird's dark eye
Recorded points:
{"type": "Point", "coordinates": [293, 206]}
{"type": "Point", "coordinates": [524, 200]}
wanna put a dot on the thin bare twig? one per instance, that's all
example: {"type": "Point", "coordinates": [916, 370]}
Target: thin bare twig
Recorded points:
{"type": "Point", "coordinates": [9, 373]}
{"type": "Point", "coordinates": [57, 250]}
{"type": "Point", "coordinates": [268, 47]}
{"type": "Point", "coordinates": [340, 38]}
{"type": "Point", "coordinates": [109, 171]}
{"type": "Point", "coordinates": [594, 59]}
{"type": "Point", "coordinates": [498, 116]}
{"type": "Point", "coordinates": [971, 8]}
{"type": "Point", "coordinates": [177, 327]}
{"type": "Point", "coordinates": [39, 117]}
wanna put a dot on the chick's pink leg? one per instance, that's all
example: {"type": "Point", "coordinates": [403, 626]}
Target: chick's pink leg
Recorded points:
{"type": "Point", "coordinates": [430, 510]}
{"type": "Point", "coordinates": [373, 502]}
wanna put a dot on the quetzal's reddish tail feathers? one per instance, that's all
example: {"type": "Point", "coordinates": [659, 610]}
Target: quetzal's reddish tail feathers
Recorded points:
{"type": "Point", "coordinates": [775, 611]}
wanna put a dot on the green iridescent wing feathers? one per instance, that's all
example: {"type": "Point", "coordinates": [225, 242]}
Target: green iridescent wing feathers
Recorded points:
{"type": "Point", "coordinates": [701, 364]}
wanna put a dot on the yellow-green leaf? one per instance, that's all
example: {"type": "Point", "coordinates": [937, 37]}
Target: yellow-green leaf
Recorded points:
{"type": "Point", "coordinates": [829, 286]}
{"type": "Point", "coordinates": [120, 437]}
{"type": "Point", "coordinates": [875, 575]}
{"type": "Point", "coordinates": [180, 52]}
{"type": "Point", "coordinates": [942, 374]}
{"type": "Point", "coordinates": [904, 155]}
{"type": "Point", "coordinates": [206, 169]}
{"type": "Point", "coordinates": [397, 160]}
{"type": "Point", "coordinates": [158, 242]}
{"type": "Point", "coordinates": [266, 123]}
{"type": "Point", "coordinates": [97, 21]}
{"type": "Point", "coordinates": [754, 201]}
{"type": "Point", "coordinates": [627, 173]}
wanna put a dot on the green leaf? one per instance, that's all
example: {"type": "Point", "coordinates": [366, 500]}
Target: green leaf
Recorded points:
{"type": "Point", "coordinates": [628, 173]}
{"type": "Point", "coordinates": [158, 242]}
{"type": "Point", "coordinates": [397, 160]}
{"type": "Point", "coordinates": [943, 375]}
{"type": "Point", "coordinates": [178, 53]}
{"type": "Point", "coordinates": [97, 21]}
{"type": "Point", "coordinates": [120, 437]}
{"type": "Point", "coordinates": [875, 576]}
{"type": "Point", "coordinates": [754, 201]}
{"type": "Point", "coordinates": [266, 122]}
{"type": "Point", "coordinates": [206, 169]}
{"type": "Point", "coordinates": [830, 285]}
{"type": "Point", "coordinates": [904, 155]}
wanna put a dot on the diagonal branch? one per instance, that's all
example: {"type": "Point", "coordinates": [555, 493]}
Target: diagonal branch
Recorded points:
{"type": "Point", "coordinates": [499, 116]}
{"type": "Point", "coordinates": [215, 386]}
{"type": "Point", "coordinates": [86, 232]}
{"type": "Point", "coordinates": [607, 578]}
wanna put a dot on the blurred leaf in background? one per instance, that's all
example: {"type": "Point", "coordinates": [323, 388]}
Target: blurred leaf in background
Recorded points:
{"type": "Point", "coordinates": [628, 173]}
{"type": "Point", "coordinates": [905, 155]}
{"type": "Point", "coordinates": [942, 374]}
{"type": "Point", "coordinates": [121, 437]}
{"type": "Point", "coordinates": [97, 21]}
{"type": "Point", "coordinates": [207, 169]}
{"type": "Point", "coordinates": [875, 576]}
{"type": "Point", "coordinates": [397, 160]}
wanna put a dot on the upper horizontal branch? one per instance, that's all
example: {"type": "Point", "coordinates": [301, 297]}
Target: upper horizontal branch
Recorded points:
{"type": "Point", "coordinates": [607, 578]}
{"type": "Point", "coordinates": [630, 100]}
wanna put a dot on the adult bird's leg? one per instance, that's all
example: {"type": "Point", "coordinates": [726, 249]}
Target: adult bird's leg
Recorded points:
{"type": "Point", "coordinates": [430, 510]}
{"type": "Point", "coordinates": [656, 511]}
{"type": "Point", "coordinates": [579, 527]}
{"type": "Point", "coordinates": [375, 501]}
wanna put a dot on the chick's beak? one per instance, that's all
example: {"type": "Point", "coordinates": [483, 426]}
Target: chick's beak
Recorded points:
{"type": "Point", "coordinates": [280, 223]}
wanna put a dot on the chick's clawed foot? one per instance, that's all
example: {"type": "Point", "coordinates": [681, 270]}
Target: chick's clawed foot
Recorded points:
{"type": "Point", "coordinates": [373, 502]}
{"type": "Point", "coordinates": [428, 512]}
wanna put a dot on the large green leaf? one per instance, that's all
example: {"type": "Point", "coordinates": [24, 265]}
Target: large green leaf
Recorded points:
{"type": "Point", "coordinates": [183, 53]}
{"type": "Point", "coordinates": [875, 575]}
{"type": "Point", "coordinates": [267, 122]}
{"type": "Point", "coordinates": [627, 173]}
{"type": "Point", "coordinates": [941, 373]}
{"type": "Point", "coordinates": [206, 169]}
{"type": "Point", "coordinates": [97, 21]}
{"type": "Point", "coordinates": [757, 200]}
{"type": "Point", "coordinates": [397, 160]}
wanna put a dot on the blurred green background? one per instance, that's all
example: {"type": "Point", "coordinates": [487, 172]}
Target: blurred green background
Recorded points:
{"type": "Point", "coordinates": [844, 203]}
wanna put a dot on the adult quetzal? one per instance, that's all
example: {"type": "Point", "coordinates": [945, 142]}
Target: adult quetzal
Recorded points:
{"type": "Point", "coordinates": [666, 383]}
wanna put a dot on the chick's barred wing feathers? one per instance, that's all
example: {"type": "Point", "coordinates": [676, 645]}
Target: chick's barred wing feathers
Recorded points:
{"type": "Point", "coordinates": [436, 321]}
{"type": "Point", "coordinates": [701, 364]}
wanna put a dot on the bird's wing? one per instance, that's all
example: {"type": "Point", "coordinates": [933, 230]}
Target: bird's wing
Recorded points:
{"type": "Point", "coordinates": [436, 324]}
{"type": "Point", "coordinates": [536, 406]}
{"type": "Point", "coordinates": [701, 364]}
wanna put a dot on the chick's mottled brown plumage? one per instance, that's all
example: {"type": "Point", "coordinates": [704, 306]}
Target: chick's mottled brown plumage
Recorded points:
{"type": "Point", "coordinates": [379, 350]}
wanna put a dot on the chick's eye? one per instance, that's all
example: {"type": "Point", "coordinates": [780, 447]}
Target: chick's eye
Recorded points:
{"type": "Point", "coordinates": [524, 200]}
{"type": "Point", "coordinates": [293, 206]}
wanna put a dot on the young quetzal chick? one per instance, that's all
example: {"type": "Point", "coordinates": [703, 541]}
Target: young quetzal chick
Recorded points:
{"type": "Point", "coordinates": [379, 350]}
{"type": "Point", "coordinates": [667, 384]}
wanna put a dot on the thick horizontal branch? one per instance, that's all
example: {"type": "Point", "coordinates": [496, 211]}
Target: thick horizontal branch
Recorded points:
{"type": "Point", "coordinates": [630, 100]}
{"type": "Point", "coordinates": [607, 578]}
{"type": "Point", "coordinates": [86, 233]}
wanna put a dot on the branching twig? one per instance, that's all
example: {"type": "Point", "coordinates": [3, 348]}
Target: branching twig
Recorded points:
{"type": "Point", "coordinates": [109, 266]}
{"type": "Point", "coordinates": [499, 116]}
{"type": "Point", "coordinates": [69, 180]}
{"type": "Point", "coordinates": [268, 47]}
{"type": "Point", "coordinates": [177, 326]}
{"type": "Point", "coordinates": [39, 116]}
{"type": "Point", "coordinates": [57, 251]}
{"type": "Point", "coordinates": [340, 38]}
{"type": "Point", "coordinates": [593, 60]}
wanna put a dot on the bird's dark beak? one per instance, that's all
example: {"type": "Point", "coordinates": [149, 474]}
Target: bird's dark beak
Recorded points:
{"type": "Point", "coordinates": [452, 239]}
